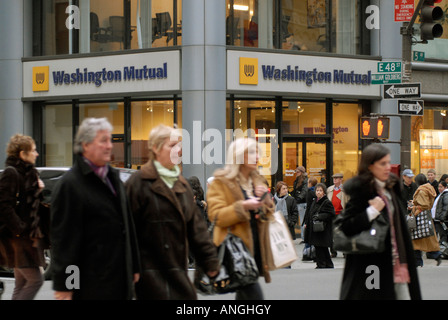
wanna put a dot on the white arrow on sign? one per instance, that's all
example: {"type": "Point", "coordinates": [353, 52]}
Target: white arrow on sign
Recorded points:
{"type": "Point", "coordinates": [402, 91]}
{"type": "Point", "coordinates": [414, 107]}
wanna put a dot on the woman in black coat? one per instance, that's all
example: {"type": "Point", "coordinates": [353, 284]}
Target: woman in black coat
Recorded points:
{"type": "Point", "coordinates": [390, 274]}
{"type": "Point", "coordinates": [21, 245]}
{"type": "Point", "coordinates": [321, 210]}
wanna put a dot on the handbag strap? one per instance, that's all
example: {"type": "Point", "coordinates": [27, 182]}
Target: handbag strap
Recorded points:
{"type": "Point", "coordinates": [323, 202]}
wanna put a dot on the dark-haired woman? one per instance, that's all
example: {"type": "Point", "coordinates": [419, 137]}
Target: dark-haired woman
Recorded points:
{"type": "Point", "coordinates": [376, 191]}
{"type": "Point", "coordinates": [21, 247]}
{"type": "Point", "coordinates": [321, 210]}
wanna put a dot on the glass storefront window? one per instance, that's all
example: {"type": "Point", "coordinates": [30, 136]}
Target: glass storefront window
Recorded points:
{"type": "Point", "coordinates": [256, 119]}
{"type": "Point", "coordinates": [313, 25]}
{"type": "Point", "coordinates": [321, 25]}
{"type": "Point", "coordinates": [301, 117]}
{"type": "Point", "coordinates": [105, 25]}
{"type": "Point", "coordinates": [50, 35]}
{"type": "Point", "coordinates": [429, 140]}
{"type": "Point", "coordinates": [249, 23]}
{"type": "Point", "coordinates": [57, 135]}
{"type": "Point", "coordinates": [146, 115]}
{"type": "Point", "coordinates": [157, 23]}
{"type": "Point", "coordinates": [114, 112]}
{"type": "Point", "coordinates": [345, 138]}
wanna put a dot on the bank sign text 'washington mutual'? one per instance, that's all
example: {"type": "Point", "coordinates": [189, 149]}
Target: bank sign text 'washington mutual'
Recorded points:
{"type": "Point", "coordinates": [270, 72]}
{"type": "Point", "coordinates": [99, 77]}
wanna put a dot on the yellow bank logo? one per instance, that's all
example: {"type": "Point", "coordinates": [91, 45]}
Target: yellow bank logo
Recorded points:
{"type": "Point", "coordinates": [41, 78]}
{"type": "Point", "coordinates": [248, 70]}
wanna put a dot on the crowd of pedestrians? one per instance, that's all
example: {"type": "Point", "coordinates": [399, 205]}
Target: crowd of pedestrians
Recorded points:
{"type": "Point", "coordinates": [138, 239]}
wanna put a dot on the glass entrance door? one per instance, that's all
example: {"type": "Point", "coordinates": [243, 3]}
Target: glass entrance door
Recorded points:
{"type": "Point", "coordinates": [300, 152]}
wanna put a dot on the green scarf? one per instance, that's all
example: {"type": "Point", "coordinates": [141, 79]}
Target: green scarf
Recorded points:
{"type": "Point", "coordinates": [169, 176]}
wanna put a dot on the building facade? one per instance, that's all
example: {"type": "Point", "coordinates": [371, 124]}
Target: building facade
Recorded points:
{"type": "Point", "coordinates": [297, 75]}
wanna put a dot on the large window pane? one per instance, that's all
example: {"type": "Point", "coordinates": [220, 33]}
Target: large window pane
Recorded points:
{"type": "Point", "coordinates": [321, 25]}
{"type": "Point", "coordinates": [303, 117]}
{"type": "Point", "coordinates": [256, 119]}
{"type": "Point", "coordinates": [345, 138]}
{"type": "Point", "coordinates": [157, 23]}
{"type": "Point", "coordinates": [50, 34]}
{"type": "Point", "coordinates": [106, 28]}
{"type": "Point", "coordinates": [249, 23]}
{"type": "Point", "coordinates": [146, 115]}
{"type": "Point", "coordinates": [307, 25]}
{"type": "Point", "coordinates": [57, 136]}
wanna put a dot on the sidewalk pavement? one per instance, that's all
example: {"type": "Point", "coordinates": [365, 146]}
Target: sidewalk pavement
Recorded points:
{"type": "Point", "coordinates": [339, 261]}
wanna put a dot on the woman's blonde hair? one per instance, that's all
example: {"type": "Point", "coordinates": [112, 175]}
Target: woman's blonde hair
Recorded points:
{"type": "Point", "coordinates": [235, 157]}
{"type": "Point", "coordinates": [158, 136]}
{"type": "Point", "coordinates": [17, 143]}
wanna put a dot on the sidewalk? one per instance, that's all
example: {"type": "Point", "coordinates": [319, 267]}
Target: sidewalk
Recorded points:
{"type": "Point", "coordinates": [339, 261]}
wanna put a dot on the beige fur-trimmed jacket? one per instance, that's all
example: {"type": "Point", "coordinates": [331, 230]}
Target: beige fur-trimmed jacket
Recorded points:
{"type": "Point", "coordinates": [224, 199]}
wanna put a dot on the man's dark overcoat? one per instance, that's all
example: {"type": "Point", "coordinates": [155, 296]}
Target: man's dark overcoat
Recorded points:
{"type": "Point", "coordinates": [92, 229]}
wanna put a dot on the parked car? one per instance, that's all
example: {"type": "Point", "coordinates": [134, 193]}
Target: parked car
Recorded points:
{"type": "Point", "coordinates": [50, 176]}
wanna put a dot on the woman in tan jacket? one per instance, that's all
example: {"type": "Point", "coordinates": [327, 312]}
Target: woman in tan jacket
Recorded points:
{"type": "Point", "coordinates": [423, 200]}
{"type": "Point", "coordinates": [234, 201]}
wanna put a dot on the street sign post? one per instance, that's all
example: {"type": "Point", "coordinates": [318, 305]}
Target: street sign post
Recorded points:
{"type": "Point", "coordinates": [412, 107]}
{"type": "Point", "coordinates": [388, 72]}
{"type": "Point", "coordinates": [384, 78]}
{"type": "Point", "coordinates": [418, 56]}
{"type": "Point", "coordinates": [389, 66]}
{"type": "Point", "coordinates": [402, 91]}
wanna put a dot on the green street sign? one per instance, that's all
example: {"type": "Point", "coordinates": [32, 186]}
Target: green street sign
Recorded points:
{"type": "Point", "coordinates": [389, 66]}
{"type": "Point", "coordinates": [418, 56]}
{"type": "Point", "coordinates": [384, 78]}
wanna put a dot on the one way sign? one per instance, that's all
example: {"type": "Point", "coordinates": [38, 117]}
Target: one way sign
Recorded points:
{"type": "Point", "coordinates": [402, 91]}
{"type": "Point", "coordinates": [412, 107]}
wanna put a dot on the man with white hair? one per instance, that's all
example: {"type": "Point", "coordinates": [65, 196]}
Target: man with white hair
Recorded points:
{"type": "Point", "coordinates": [94, 247]}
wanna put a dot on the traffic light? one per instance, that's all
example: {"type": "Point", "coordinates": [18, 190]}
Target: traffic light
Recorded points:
{"type": "Point", "coordinates": [374, 128]}
{"type": "Point", "coordinates": [429, 15]}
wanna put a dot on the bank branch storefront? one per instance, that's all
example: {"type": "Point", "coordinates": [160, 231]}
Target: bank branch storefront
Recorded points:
{"type": "Point", "coordinates": [303, 109]}
{"type": "Point", "coordinates": [134, 91]}
{"type": "Point", "coordinates": [308, 107]}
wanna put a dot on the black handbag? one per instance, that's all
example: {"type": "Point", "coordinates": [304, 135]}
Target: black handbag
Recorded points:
{"type": "Point", "coordinates": [318, 226]}
{"type": "Point", "coordinates": [238, 268]}
{"type": "Point", "coordinates": [367, 241]}
{"type": "Point", "coordinates": [424, 227]}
